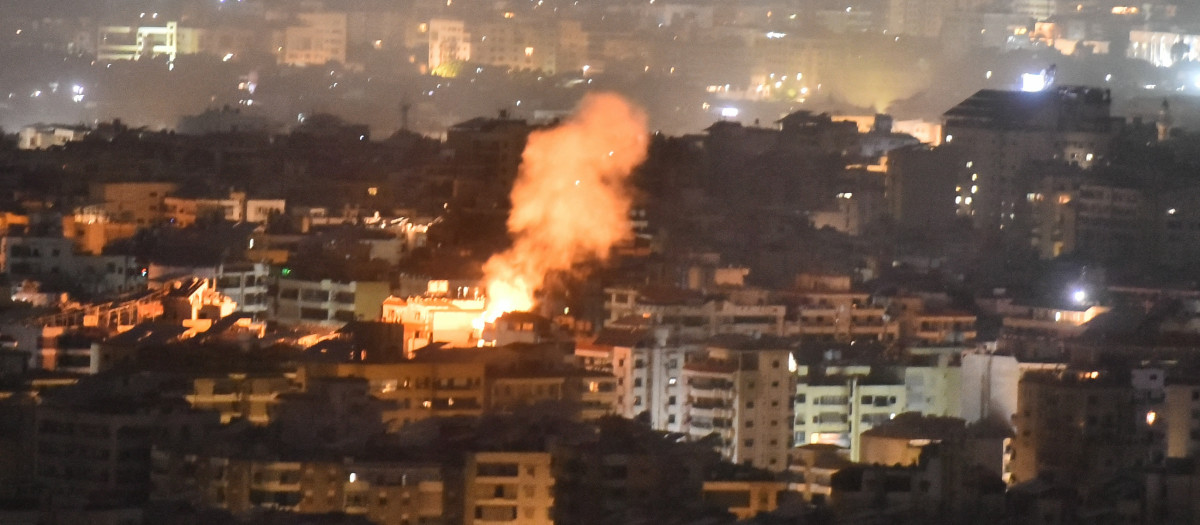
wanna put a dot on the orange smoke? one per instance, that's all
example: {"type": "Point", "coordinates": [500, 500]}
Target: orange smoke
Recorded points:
{"type": "Point", "coordinates": [570, 202]}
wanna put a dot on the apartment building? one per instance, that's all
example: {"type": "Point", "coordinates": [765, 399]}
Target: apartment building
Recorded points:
{"type": "Point", "coordinates": [648, 365]}
{"type": "Point", "coordinates": [426, 320]}
{"type": "Point", "coordinates": [329, 303]}
{"type": "Point", "coordinates": [314, 40]}
{"type": "Point", "coordinates": [693, 316]}
{"type": "Point", "coordinates": [55, 257]}
{"type": "Point", "coordinates": [1073, 215]}
{"type": "Point", "coordinates": [1001, 132]}
{"type": "Point", "coordinates": [508, 487]}
{"type": "Point", "coordinates": [588, 395]}
{"type": "Point", "coordinates": [140, 203]}
{"type": "Point", "coordinates": [843, 316]}
{"type": "Point", "coordinates": [450, 384]}
{"type": "Point", "coordinates": [836, 405]}
{"type": "Point", "coordinates": [1181, 417]}
{"type": "Point", "coordinates": [240, 396]}
{"type": "Point", "coordinates": [1082, 425]}
{"type": "Point", "coordinates": [739, 391]}
{"type": "Point", "coordinates": [100, 455]}
{"type": "Point", "coordinates": [380, 491]}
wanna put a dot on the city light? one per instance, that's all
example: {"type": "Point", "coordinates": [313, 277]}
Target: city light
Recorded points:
{"type": "Point", "coordinates": [1032, 82]}
{"type": "Point", "coordinates": [729, 112]}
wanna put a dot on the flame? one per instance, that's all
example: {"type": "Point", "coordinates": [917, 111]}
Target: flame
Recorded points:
{"type": "Point", "coordinates": [570, 199]}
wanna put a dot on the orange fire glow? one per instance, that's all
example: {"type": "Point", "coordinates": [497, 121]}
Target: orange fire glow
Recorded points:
{"type": "Point", "coordinates": [570, 200]}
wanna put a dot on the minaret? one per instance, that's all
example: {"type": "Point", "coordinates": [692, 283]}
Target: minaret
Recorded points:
{"type": "Point", "coordinates": [1164, 121]}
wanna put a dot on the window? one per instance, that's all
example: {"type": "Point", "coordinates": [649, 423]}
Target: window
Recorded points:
{"type": "Point", "coordinates": [749, 404]}
{"type": "Point", "coordinates": [749, 442]}
{"type": "Point", "coordinates": [749, 424]}
{"type": "Point", "coordinates": [671, 418]}
{"type": "Point", "coordinates": [671, 401]}
{"type": "Point", "coordinates": [314, 314]}
{"type": "Point", "coordinates": [637, 382]}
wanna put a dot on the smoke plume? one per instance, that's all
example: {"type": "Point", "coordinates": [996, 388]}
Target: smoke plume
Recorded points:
{"type": "Point", "coordinates": [570, 202]}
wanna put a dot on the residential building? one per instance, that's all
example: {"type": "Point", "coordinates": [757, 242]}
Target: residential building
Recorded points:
{"type": "Point", "coordinates": [921, 186]}
{"type": "Point", "coordinates": [315, 40]}
{"type": "Point", "coordinates": [588, 395]}
{"type": "Point", "coordinates": [1073, 216]}
{"type": "Point", "coordinates": [694, 317]}
{"type": "Point", "coordinates": [490, 146]}
{"type": "Point", "coordinates": [740, 391]}
{"type": "Point", "coordinates": [508, 487]}
{"type": "Point", "coordinates": [137, 42]}
{"type": "Point", "coordinates": [427, 320]}
{"type": "Point", "coordinates": [239, 396]}
{"type": "Point", "coordinates": [329, 303]}
{"type": "Point", "coordinates": [140, 203]}
{"type": "Point", "coordinates": [449, 46]}
{"type": "Point", "coordinates": [812, 466]}
{"type": "Point", "coordinates": [382, 491]}
{"type": "Point", "coordinates": [835, 403]}
{"type": "Point", "coordinates": [933, 383]}
{"type": "Point", "coordinates": [745, 499]}
{"type": "Point", "coordinates": [1082, 426]}
{"type": "Point", "coordinates": [88, 454]}
{"type": "Point", "coordinates": [184, 211]}
{"type": "Point", "coordinates": [843, 316]}
{"type": "Point", "coordinates": [1162, 48]}
{"type": "Point", "coordinates": [45, 136]}
{"type": "Point", "coordinates": [92, 229]}
{"type": "Point", "coordinates": [448, 383]}
{"type": "Point", "coordinates": [1000, 132]}
{"type": "Point", "coordinates": [1182, 426]}
{"type": "Point", "coordinates": [648, 364]}
{"type": "Point", "coordinates": [1036, 329]}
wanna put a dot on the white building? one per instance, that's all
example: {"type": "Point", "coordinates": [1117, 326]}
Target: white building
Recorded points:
{"type": "Point", "coordinates": [246, 283]}
{"type": "Point", "coordinates": [329, 303]}
{"type": "Point", "coordinates": [1163, 48]}
{"type": "Point", "coordinates": [989, 385]}
{"type": "Point", "coordinates": [691, 316]}
{"type": "Point", "coordinates": [317, 39]}
{"type": "Point", "coordinates": [836, 404]}
{"type": "Point", "coordinates": [739, 391]}
{"type": "Point", "coordinates": [44, 136]}
{"type": "Point", "coordinates": [137, 42]}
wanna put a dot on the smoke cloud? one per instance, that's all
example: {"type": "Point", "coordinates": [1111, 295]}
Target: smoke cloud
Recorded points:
{"type": "Point", "coordinates": [570, 202]}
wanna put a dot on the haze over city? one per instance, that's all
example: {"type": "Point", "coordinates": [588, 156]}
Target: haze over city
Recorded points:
{"type": "Point", "coordinates": [682, 262]}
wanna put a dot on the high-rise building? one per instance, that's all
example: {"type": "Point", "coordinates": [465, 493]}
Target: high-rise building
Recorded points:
{"type": "Point", "coordinates": [1082, 426]}
{"type": "Point", "coordinates": [739, 392]}
{"type": "Point", "coordinates": [1001, 132]}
